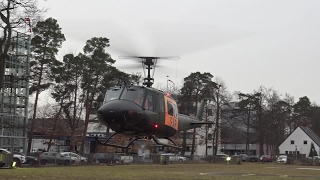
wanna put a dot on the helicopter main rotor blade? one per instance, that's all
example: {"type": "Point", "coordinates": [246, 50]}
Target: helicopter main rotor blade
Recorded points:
{"type": "Point", "coordinates": [138, 65]}
{"type": "Point", "coordinates": [150, 57]}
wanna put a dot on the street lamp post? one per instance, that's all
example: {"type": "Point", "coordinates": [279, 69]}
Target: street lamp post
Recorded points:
{"type": "Point", "coordinates": [248, 122]}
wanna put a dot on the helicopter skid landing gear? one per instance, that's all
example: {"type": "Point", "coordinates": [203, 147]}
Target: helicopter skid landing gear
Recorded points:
{"type": "Point", "coordinates": [155, 139]}
{"type": "Point", "coordinates": [105, 143]}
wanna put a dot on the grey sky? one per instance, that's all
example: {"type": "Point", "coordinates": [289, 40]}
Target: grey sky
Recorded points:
{"type": "Point", "coordinates": [248, 43]}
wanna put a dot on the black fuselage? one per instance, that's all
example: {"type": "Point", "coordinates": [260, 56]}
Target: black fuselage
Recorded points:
{"type": "Point", "coordinates": [135, 110]}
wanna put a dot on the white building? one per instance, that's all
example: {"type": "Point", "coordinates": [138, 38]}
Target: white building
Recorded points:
{"type": "Point", "coordinates": [206, 134]}
{"type": "Point", "coordinates": [299, 142]}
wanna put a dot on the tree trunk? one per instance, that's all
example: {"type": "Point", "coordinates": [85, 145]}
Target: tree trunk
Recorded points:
{"type": "Point", "coordinates": [2, 68]}
{"type": "Point", "coordinates": [34, 111]}
{"type": "Point", "coordinates": [184, 143]}
{"type": "Point", "coordinates": [217, 125]}
{"type": "Point", "coordinates": [54, 128]}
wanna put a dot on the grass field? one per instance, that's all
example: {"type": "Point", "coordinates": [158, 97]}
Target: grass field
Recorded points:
{"type": "Point", "coordinates": [264, 171]}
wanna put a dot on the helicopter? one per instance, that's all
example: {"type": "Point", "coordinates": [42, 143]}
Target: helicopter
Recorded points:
{"type": "Point", "coordinates": [143, 112]}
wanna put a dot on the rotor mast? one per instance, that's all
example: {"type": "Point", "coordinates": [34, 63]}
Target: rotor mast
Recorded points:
{"type": "Point", "coordinates": [149, 62]}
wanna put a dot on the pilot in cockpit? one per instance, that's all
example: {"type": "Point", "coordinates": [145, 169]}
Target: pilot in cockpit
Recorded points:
{"type": "Point", "coordinates": [139, 99]}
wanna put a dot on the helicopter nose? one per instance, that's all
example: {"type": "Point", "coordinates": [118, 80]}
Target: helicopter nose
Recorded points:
{"type": "Point", "coordinates": [120, 112]}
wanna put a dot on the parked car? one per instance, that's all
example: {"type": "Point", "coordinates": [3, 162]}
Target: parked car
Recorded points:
{"type": "Point", "coordinates": [32, 161]}
{"type": "Point", "coordinates": [316, 160]}
{"type": "Point", "coordinates": [316, 157]}
{"type": "Point", "coordinates": [107, 158]}
{"type": "Point", "coordinates": [34, 154]}
{"type": "Point", "coordinates": [253, 158]}
{"type": "Point", "coordinates": [244, 157]}
{"type": "Point", "coordinates": [265, 158]}
{"type": "Point", "coordinates": [75, 158]}
{"type": "Point", "coordinates": [54, 157]}
{"type": "Point", "coordinates": [221, 157]}
{"type": "Point", "coordinates": [41, 150]}
{"type": "Point", "coordinates": [282, 159]}
{"type": "Point", "coordinates": [19, 158]}
{"type": "Point", "coordinates": [174, 157]}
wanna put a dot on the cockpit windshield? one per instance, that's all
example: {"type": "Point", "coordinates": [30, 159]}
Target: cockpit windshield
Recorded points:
{"type": "Point", "coordinates": [113, 93]}
{"type": "Point", "coordinates": [134, 94]}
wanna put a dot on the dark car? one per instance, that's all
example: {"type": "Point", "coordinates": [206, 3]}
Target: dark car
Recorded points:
{"type": "Point", "coordinates": [253, 158]}
{"type": "Point", "coordinates": [54, 157]}
{"type": "Point", "coordinates": [107, 158]}
{"type": "Point", "coordinates": [244, 157]}
{"type": "Point", "coordinates": [265, 158]}
{"type": "Point", "coordinates": [32, 161]}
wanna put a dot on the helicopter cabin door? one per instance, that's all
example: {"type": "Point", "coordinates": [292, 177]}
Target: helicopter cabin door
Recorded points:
{"type": "Point", "coordinates": [171, 113]}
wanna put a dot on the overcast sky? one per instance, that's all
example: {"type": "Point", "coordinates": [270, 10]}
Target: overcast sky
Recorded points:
{"type": "Point", "coordinates": [247, 43]}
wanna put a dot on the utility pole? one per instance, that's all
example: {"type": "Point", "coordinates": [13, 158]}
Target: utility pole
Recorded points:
{"type": "Point", "coordinates": [248, 123]}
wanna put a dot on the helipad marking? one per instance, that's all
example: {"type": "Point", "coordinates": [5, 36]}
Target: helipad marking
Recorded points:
{"type": "Point", "coordinates": [248, 174]}
{"type": "Point", "coordinates": [309, 169]}
{"type": "Point", "coordinates": [275, 167]}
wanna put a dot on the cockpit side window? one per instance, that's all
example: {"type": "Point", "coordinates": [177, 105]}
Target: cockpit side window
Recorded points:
{"type": "Point", "coordinates": [170, 108]}
{"type": "Point", "coordinates": [150, 103]}
{"type": "Point", "coordinates": [113, 93]}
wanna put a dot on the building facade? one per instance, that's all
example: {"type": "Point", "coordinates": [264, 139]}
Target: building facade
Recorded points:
{"type": "Point", "coordinates": [299, 142]}
{"type": "Point", "coordinates": [14, 94]}
{"type": "Point", "coordinates": [238, 137]}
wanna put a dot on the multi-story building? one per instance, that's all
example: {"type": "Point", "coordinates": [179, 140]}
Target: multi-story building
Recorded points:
{"type": "Point", "coordinates": [238, 136]}
{"type": "Point", "coordinates": [14, 94]}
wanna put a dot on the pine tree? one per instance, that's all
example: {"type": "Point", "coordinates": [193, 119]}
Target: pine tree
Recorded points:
{"type": "Point", "coordinates": [45, 44]}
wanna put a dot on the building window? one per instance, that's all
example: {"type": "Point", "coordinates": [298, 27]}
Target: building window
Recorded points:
{"type": "Point", "coordinates": [305, 142]}
{"type": "Point", "coordinates": [286, 152]}
{"type": "Point", "coordinates": [292, 142]}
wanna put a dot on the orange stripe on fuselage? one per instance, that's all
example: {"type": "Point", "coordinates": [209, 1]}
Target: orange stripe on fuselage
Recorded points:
{"type": "Point", "coordinates": [171, 121]}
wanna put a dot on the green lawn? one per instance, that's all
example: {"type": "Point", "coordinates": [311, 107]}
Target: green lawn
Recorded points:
{"type": "Point", "coordinates": [172, 171]}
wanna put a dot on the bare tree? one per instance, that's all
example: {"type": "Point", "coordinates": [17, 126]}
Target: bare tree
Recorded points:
{"type": "Point", "coordinates": [15, 15]}
{"type": "Point", "coordinates": [220, 98]}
